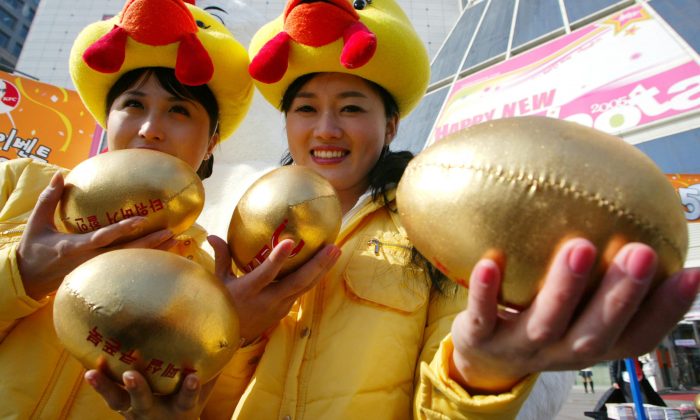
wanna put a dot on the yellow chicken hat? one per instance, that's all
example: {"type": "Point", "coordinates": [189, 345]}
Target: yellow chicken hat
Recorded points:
{"type": "Point", "coordinates": [372, 39]}
{"type": "Point", "coordinates": [163, 33]}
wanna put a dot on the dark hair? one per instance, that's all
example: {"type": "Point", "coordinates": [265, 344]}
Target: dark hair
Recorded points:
{"type": "Point", "coordinates": [386, 172]}
{"type": "Point", "coordinates": [167, 80]}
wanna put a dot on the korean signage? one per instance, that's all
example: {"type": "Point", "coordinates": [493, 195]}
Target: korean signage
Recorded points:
{"type": "Point", "coordinates": [44, 122]}
{"type": "Point", "coordinates": [688, 188]}
{"type": "Point", "coordinates": [614, 75]}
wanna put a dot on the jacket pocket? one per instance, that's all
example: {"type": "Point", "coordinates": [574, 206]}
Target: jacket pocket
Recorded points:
{"type": "Point", "coordinates": [380, 273]}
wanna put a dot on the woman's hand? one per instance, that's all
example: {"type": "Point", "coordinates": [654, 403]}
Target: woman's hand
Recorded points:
{"type": "Point", "coordinates": [622, 318]}
{"type": "Point", "coordinates": [46, 255]}
{"type": "Point", "coordinates": [136, 401]}
{"type": "Point", "coordinates": [260, 300]}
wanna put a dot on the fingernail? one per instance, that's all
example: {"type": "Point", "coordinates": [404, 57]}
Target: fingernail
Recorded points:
{"type": "Point", "coordinates": [137, 222]}
{"type": "Point", "coordinates": [690, 283]}
{"type": "Point", "coordinates": [166, 235]}
{"type": "Point", "coordinates": [486, 272]}
{"type": "Point", "coordinates": [129, 381]}
{"type": "Point", "coordinates": [581, 259]}
{"type": "Point", "coordinates": [640, 264]}
{"type": "Point", "coordinates": [90, 378]}
{"type": "Point", "coordinates": [191, 383]}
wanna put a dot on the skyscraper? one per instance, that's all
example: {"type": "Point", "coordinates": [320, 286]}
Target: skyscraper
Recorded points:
{"type": "Point", "coordinates": [15, 20]}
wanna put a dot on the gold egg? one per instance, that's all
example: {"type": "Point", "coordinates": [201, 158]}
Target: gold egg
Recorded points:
{"type": "Point", "coordinates": [696, 402]}
{"type": "Point", "coordinates": [147, 310]}
{"type": "Point", "coordinates": [113, 186]}
{"type": "Point", "coordinates": [517, 188]}
{"type": "Point", "coordinates": [291, 202]}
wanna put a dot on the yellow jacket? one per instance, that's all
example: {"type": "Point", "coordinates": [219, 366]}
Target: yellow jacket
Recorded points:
{"type": "Point", "coordinates": [38, 378]}
{"type": "Point", "coordinates": [370, 341]}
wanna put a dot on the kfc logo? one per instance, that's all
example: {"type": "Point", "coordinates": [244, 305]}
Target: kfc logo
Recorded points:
{"type": "Point", "coordinates": [9, 96]}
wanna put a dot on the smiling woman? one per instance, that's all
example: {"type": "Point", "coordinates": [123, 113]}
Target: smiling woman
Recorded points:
{"type": "Point", "coordinates": [143, 103]}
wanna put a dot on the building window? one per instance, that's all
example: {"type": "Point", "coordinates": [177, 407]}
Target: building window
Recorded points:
{"type": "Point", "coordinates": [24, 31]}
{"type": "Point", "coordinates": [16, 49]}
{"type": "Point", "coordinates": [4, 39]}
{"type": "Point", "coordinates": [6, 20]}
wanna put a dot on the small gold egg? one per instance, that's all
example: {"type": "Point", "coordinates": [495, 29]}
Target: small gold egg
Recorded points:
{"type": "Point", "coordinates": [291, 202]}
{"type": "Point", "coordinates": [114, 186]}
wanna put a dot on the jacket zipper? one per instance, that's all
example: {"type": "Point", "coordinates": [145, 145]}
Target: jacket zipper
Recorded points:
{"type": "Point", "coordinates": [379, 244]}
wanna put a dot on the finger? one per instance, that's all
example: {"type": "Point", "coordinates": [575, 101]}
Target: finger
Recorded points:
{"type": "Point", "coordinates": [266, 272]}
{"type": "Point", "coordinates": [116, 398]}
{"type": "Point", "coordinates": [45, 207]}
{"type": "Point", "coordinates": [550, 313]}
{"type": "Point", "coordinates": [139, 391]}
{"type": "Point", "coordinates": [481, 315]}
{"type": "Point", "coordinates": [106, 235]}
{"type": "Point", "coordinates": [152, 240]}
{"type": "Point", "coordinates": [659, 313]}
{"type": "Point", "coordinates": [306, 276]}
{"type": "Point", "coordinates": [222, 256]}
{"type": "Point", "coordinates": [615, 301]}
{"type": "Point", "coordinates": [189, 393]}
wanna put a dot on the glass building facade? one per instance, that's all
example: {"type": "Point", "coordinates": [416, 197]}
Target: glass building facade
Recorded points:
{"type": "Point", "coordinates": [15, 20]}
{"type": "Point", "coordinates": [489, 38]}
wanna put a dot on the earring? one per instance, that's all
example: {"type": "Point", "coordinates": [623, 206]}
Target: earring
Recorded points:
{"type": "Point", "coordinates": [207, 156]}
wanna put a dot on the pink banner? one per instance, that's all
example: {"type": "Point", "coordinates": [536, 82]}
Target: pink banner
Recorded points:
{"type": "Point", "coordinates": [614, 75]}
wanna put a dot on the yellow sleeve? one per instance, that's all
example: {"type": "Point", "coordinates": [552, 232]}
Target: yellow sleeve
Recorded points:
{"type": "Point", "coordinates": [439, 397]}
{"type": "Point", "coordinates": [233, 381]}
{"type": "Point", "coordinates": [21, 182]}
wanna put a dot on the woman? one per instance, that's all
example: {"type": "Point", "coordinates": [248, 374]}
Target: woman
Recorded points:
{"type": "Point", "coordinates": [143, 105]}
{"type": "Point", "coordinates": [382, 335]}
{"type": "Point", "coordinates": [376, 338]}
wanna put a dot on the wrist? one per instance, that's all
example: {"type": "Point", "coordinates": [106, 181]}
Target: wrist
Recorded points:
{"type": "Point", "coordinates": [478, 381]}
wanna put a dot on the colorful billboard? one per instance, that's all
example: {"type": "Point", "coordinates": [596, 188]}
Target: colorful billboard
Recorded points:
{"type": "Point", "coordinates": [614, 75]}
{"type": "Point", "coordinates": [44, 122]}
{"type": "Point", "coordinates": [688, 188]}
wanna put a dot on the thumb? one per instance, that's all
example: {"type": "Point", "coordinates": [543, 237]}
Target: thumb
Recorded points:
{"type": "Point", "coordinates": [45, 208]}
{"type": "Point", "coordinates": [267, 272]}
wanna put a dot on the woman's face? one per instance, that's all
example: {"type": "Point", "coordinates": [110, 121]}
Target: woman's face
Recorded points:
{"type": "Point", "coordinates": [337, 126]}
{"type": "Point", "coordinates": [146, 116]}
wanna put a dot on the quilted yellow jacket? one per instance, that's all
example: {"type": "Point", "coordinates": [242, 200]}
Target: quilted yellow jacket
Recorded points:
{"type": "Point", "coordinates": [38, 378]}
{"type": "Point", "coordinates": [370, 341]}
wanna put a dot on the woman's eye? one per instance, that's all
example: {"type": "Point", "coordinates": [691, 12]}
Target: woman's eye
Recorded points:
{"type": "Point", "coordinates": [304, 108]}
{"type": "Point", "coordinates": [352, 108]}
{"type": "Point", "coordinates": [132, 103]}
{"type": "Point", "coordinates": [180, 110]}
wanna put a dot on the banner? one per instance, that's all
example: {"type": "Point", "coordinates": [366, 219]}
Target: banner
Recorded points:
{"type": "Point", "coordinates": [614, 75]}
{"type": "Point", "coordinates": [44, 122]}
{"type": "Point", "coordinates": [688, 188]}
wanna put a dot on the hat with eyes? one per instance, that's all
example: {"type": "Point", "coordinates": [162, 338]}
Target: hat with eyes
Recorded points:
{"type": "Point", "coordinates": [372, 39]}
{"type": "Point", "coordinates": [163, 33]}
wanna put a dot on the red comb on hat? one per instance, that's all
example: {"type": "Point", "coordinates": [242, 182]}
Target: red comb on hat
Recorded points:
{"type": "Point", "coordinates": [154, 22]}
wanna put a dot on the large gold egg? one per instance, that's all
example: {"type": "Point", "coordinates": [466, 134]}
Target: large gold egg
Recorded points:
{"type": "Point", "coordinates": [113, 186]}
{"type": "Point", "coordinates": [518, 187]}
{"type": "Point", "coordinates": [147, 310]}
{"type": "Point", "coordinates": [291, 202]}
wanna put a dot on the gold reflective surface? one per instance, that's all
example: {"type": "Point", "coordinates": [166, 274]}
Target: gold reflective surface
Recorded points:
{"type": "Point", "coordinates": [515, 189]}
{"type": "Point", "coordinates": [113, 186]}
{"type": "Point", "coordinates": [291, 202]}
{"type": "Point", "coordinates": [147, 310]}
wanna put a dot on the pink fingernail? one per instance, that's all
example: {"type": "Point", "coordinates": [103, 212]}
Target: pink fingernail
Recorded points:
{"type": "Point", "coordinates": [581, 259]}
{"type": "Point", "coordinates": [640, 264]}
{"type": "Point", "coordinates": [486, 271]}
{"type": "Point", "coordinates": [690, 283]}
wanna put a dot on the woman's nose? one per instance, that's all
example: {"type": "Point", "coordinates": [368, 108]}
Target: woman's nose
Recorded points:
{"type": "Point", "coordinates": [152, 128]}
{"type": "Point", "coordinates": [328, 127]}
